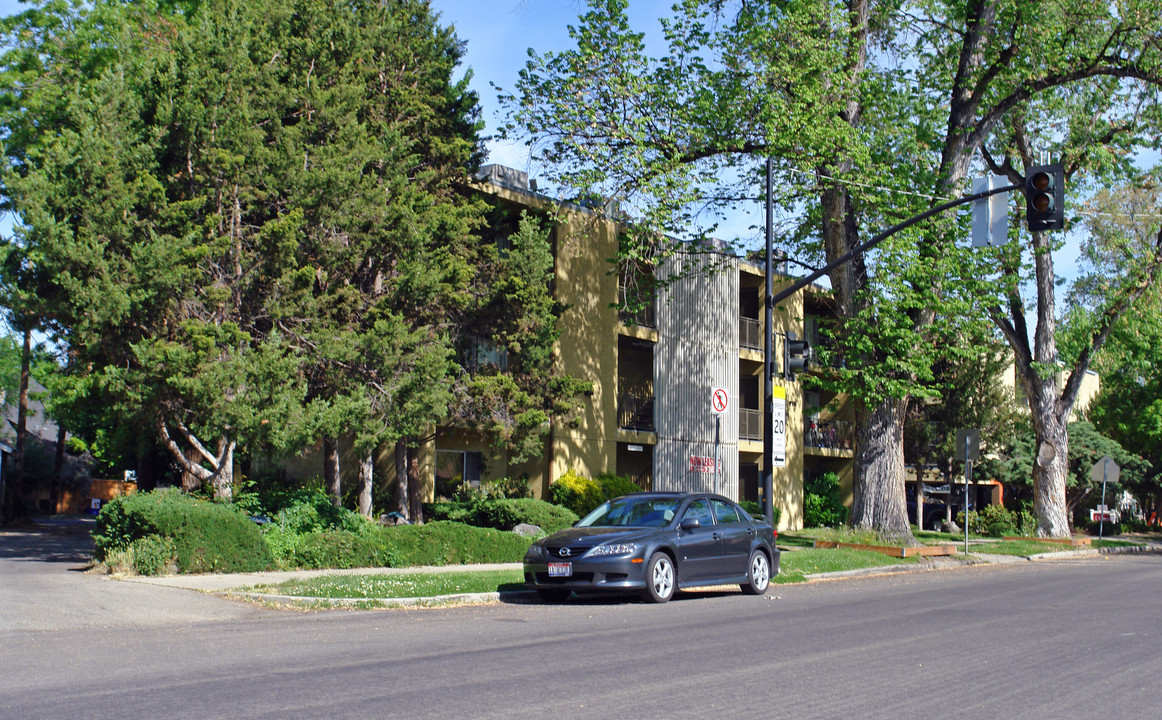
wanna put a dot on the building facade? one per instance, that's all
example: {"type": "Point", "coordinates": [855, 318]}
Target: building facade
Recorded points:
{"type": "Point", "coordinates": [654, 370]}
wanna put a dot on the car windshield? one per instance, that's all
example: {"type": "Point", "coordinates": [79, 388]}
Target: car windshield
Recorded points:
{"type": "Point", "coordinates": [632, 512]}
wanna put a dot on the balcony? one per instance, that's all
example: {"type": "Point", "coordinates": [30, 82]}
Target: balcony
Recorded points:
{"type": "Point", "coordinates": [635, 412]}
{"type": "Point", "coordinates": [750, 424]}
{"type": "Point", "coordinates": [828, 434]}
{"type": "Point", "coordinates": [750, 333]}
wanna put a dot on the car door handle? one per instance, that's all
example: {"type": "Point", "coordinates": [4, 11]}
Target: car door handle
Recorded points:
{"type": "Point", "coordinates": [716, 536]}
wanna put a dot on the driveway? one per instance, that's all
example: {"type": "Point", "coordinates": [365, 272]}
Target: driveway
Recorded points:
{"type": "Point", "coordinates": [46, 584]}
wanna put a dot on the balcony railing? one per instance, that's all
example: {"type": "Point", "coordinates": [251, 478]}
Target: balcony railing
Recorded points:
{"type": "Point", "coordinates": [750, 424]}
{"type": "Point", "coordinates": [828, 434]}
{"type": "Point", "coordinates": [643, 317]}
{"type": "Point", "coordinates": [750, 333]}
{"type": "Point", "coordinates": [635, 412]}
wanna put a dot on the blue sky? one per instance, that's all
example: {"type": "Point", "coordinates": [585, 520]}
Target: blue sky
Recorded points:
{"type": "Point", "coordinates": [498, 36]}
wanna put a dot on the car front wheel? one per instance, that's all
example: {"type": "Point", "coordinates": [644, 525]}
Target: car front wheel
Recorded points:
{"type": "Point", "coordinates": [660, 578]}
{"type": "Point", "coordinates": [760, 574]}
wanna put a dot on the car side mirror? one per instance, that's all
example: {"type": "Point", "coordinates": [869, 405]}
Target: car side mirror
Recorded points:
{"type": "Point", "coordinates": [690, 524]}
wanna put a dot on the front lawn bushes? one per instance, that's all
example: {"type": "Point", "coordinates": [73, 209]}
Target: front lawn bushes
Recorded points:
{"type": "Point", "coordinates": [449, 543]}
{"type": "Point", "coordinates": [206, 536]}
{"type": "Point", "coordinates": [503, 514]}
{"type": "Point", "coordinates": [577, 492]}
{"type": "Point", "coordinates": [615, 486]}
{"type": "Point", "coordinates": [340, 549]}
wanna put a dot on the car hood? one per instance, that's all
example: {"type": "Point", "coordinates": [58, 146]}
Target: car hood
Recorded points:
{"type": "Point", "coordinates": [597, 535]}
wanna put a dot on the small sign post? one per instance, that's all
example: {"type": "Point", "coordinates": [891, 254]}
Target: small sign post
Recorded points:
{"type": "Point", "coordinates": [719, 403]}
{"type": "Point", "coordinates": [967, 449]}
{"type": "Point", "coordinates": [1109, 471]}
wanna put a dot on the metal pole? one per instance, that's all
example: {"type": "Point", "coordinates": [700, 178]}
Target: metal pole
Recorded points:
{"type": "Point", "coordinates": [718, 453]}
{"type": "Point", "coordinates": [967, 480]}
{"type": "Point", "coordinates": [1105, 469]}
{"type": "Point", "coordinates": [768, 355]}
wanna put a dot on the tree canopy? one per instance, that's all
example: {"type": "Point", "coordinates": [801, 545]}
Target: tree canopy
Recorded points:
{"type": "Point", "coordinates": [249, 223]}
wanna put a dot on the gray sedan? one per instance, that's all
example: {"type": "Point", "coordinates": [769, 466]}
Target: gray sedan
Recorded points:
{"type": "Point", "coordinates": [655, 544]}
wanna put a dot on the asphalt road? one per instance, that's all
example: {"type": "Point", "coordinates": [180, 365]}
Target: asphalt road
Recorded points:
{"type": "Point", "coordinates": [1064, 639]}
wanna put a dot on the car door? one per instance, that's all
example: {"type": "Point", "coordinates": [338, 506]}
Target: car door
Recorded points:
{"type": "Point", "coordinates": [700, 548]}
{"type": "Point", "coordinates": [736, 534]}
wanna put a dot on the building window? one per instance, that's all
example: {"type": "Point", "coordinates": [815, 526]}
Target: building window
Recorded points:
{"type": "Point", "coordinates": [455, 468]}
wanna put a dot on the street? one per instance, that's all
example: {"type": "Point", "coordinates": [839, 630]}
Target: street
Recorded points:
{"type": "Point", "coordinates": [1062, 639]}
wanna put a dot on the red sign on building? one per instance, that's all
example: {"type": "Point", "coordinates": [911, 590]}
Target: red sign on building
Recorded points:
{"type": "Point", "coordinates": [701, 464]}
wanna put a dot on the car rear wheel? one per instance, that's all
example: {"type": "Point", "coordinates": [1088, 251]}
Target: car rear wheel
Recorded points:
{"type": "Point", "coordinates": [660, 578]}
{"type": "Point", "coordinates": [759, 574]}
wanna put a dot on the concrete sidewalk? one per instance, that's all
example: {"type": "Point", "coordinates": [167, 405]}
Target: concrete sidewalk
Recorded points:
{"type": "Point", "coordinates": [237, 584]}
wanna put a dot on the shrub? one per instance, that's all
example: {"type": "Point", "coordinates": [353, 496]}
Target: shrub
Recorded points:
{"type": "Point", "coordinates": [448, 543]}
{"type": "Point", "coordinates": [578, 493]}
{"type": "Point", "coordinates": [507, 514]}
{"type": "Point", "coordinates": [503, 514]}
{"type": "Point", "coordinates": [448, 510]}
{"type": "Point", "coordinates": [154, 555]}
{"type": "Point", "coordinates": [314, 512]}
{"type": "Point", "coordinates": [341, 549]}
{"type": "Point", "coordinates": [822, 504]}
{"type": "Point", "coordinates": [993, 521]}
{"type": "Point", "coordinates": [615, 486]}
{"type": "Point", "coordinates": [756, 511]}
{"type": "Point", "coordinates": [207, 536]}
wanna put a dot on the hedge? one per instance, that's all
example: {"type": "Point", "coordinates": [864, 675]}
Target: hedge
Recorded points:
{"type": "Point", "coordinates": [206, 536]}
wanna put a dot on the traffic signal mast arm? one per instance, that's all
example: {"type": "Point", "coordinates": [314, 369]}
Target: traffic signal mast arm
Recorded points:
{"type": "Point", "coordinates": [804, 282]}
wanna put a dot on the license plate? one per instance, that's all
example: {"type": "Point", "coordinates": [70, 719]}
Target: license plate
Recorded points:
{"type": "Point", "coordinates": [560, 569]}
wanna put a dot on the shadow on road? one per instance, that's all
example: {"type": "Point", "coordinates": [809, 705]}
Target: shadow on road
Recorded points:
{"type": "Point", "coordinates": [57, 539]}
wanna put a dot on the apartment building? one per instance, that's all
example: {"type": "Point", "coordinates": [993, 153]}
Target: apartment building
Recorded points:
{"type": "Point", "coordinates": [650, 416]}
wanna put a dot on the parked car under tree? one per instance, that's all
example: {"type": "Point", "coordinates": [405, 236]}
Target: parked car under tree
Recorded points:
{"type": "Point", "coordinates": [654, 544]}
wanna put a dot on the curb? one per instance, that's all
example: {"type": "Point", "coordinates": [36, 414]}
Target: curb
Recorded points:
{"type": "Point", "coordinates": [518, 597]}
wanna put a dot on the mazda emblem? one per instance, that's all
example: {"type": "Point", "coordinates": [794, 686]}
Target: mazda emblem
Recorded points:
{"type": "Point", "coordinates": [565, 552]}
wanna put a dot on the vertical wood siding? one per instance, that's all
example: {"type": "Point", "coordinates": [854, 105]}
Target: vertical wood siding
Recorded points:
{"type": "Point", "coordinates": [697, 351]}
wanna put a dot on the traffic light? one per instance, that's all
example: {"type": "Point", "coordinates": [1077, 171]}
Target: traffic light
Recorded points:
{"type": "Point", "coordinates": [1045, 197]}
{"type": "Point", "coordinates": [796, 356]}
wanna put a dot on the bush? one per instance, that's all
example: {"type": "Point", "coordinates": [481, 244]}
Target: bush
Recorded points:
{"type": "Point", "coordinates": [822, 504]}
{"type": "Point", "coordinates": [578, 493]}
{"type": "Point", "coordinates": [615, 486]}
{"type": "Point", "coordinates": [503, 514]}
{"type": "Point", "coordinates": [154, 555]}
{"type": "Point", "coordinates": [448, 543]}
{"type": "Point", "coordinates": [341, 549]}
{"type": "Point", "coordinates": [207, 536]}
{"type": "Point", "coordinates": [507, 514]}
{"type": "Point", "coordinates": [993, 521]}
{"type": "Point", "coordinates": [756, 511]}
{"type": "Point", "coordinates": [302, 514]}
{"type": "Point", "coordinates": [448, 510]}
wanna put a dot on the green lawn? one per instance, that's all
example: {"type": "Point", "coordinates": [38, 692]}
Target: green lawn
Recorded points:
{"type": "Point", "coordinates": [793, 566]}
{"type": "Point", "coordinates": [398, 586]}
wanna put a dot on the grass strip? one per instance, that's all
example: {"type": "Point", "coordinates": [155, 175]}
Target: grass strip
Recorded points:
{"type": "Point", "coordinates": [795, 566]}
{"type": "Point", "coordinates": [398, 586]}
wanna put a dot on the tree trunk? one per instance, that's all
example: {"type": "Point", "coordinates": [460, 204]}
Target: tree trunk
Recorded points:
{"type": "Point", "coordinates": [1051, 465]}
{"type": "Point", "coordinates": [331, 470]}
{"type": "Point", "coordinates": [414, 498]}
{"type": "Point", "coordinates": [223, 479]}
{"type": "Point", "coordinates": [879, 500]}
{"type": "Point", "coordinates": [401, 479]}
{"type": "Point", "coordinates": [58, 469]}
{"type": "Point", "coordinates": [19, 510]}
{"type": "Point", "coordinates": [366, 479]}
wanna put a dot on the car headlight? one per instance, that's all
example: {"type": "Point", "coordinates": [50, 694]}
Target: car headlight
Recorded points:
{"type": "Point", "coordinates": [613, 549]}
{"type": "Point", "coordinates": [535, 553]}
